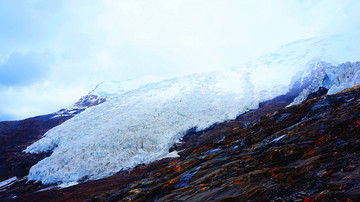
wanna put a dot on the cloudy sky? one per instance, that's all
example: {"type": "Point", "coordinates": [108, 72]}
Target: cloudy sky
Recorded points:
{"type": "Point", "coordinates": [54, 52]}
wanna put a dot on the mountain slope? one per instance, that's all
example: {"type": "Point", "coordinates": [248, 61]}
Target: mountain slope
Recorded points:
{"type": "Point", "coordinates": [303, 152]}
{"type": "Point", "coordinates": [89, 189]}
{"type": "Point", "coordinates": [15, 136]}
{"type": "Point", "coordinates": [140, 125]}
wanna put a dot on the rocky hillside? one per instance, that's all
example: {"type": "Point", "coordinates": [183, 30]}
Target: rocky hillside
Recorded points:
{"type": "Point", "coordinates": [15, 136]}
{"type": "Point", "coordinates": [304, 152]}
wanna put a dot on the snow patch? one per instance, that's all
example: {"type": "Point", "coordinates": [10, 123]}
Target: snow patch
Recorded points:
{"type": "Point", "coordinates": [278, 138]}
{"type": "Point", "coordinates": [65, 185]}
{"type": "Point", "coordinates": [173, 154]}
{"type": "Point", "coordinates": [47, 188]}
{"type": "Point", "coordinates": [8, 182]}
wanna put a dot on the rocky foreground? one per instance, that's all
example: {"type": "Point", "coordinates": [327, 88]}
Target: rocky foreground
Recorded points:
{"type": "Point", "coordinates": [305, 152]}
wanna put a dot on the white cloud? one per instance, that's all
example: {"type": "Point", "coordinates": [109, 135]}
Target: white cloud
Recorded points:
{"type": "Point", "coordinates": [23, 69]}
{"type": "Point", "coordinates": [87, 42]}
{"type": "Point", "coordinates": [37, 99]}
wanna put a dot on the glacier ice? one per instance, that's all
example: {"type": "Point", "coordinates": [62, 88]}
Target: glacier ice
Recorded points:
{"type": "Point", "coordinates": [343, 76]}
{"type": "Point", "coordinates": [139, 125]}
{"type": "Point", "coordinates": [334, 78]}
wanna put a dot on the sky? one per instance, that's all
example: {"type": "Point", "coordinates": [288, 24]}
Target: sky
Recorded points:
{"type": "Point", "coordinates": [54, 52]}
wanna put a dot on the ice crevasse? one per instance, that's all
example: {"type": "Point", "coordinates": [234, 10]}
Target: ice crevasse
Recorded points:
{"type": "Point", "coordinates": [140, 125]}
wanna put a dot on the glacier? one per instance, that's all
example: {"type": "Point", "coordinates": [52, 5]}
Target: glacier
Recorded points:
{"type": "Point", "coordinates": [139, 125]}
{"type": "Point", "coordinates": [341, 77]}
{"type": "Point", "coordinates": [334, 78]}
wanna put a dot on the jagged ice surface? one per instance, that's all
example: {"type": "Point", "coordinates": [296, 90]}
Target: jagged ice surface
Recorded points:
{"type": "Point", "coordinates": [333, 78]}
{"type": "Point", "coordinates": [140, 125]}
{"type": "Point", "coordinates": [343, 76]}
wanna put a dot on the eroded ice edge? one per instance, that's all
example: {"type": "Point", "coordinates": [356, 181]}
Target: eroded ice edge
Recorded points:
{"type": "Point", "coordinates": [140, 125]}
{"type": "Point", "coordinates": [334, 78]}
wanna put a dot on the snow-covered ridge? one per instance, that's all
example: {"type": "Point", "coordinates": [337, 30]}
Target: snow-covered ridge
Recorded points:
{"type": "Point", "coordinates": [103, 92]}
{"type": "Point", "coordinates": [140, 125]}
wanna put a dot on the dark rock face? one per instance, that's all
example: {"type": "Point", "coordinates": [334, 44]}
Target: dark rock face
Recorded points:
{"type": "Point", "coordinates": [305, 152]}
{"type": "Point", "coordinates": [320, 92]}
{"type": "Point", "coordinates": [79, 106]}
{"type": "Point", "coordinates": [15, 136]}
